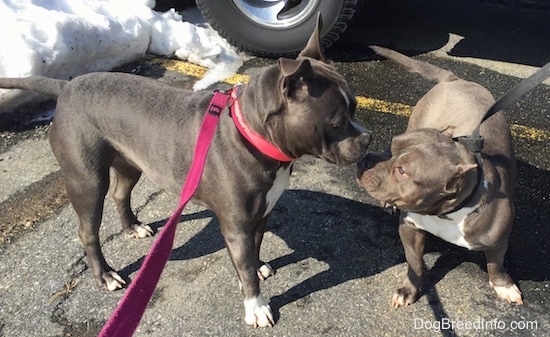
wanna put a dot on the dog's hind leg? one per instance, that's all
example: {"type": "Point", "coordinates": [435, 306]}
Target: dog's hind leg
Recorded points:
{"type": "Point", "coordinates": [84, 163]}
{"type": "Point", "coordinates": [125, 178]}
{"type": "Point", "coordinates": [264, 269]}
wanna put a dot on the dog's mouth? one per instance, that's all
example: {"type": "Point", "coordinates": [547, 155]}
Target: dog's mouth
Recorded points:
{"type": "Point", "coordinates": [346, 150]}
{"type": "Point", "coordinates": [366, 169]}
{"type": "Point", "coordinates": [368, 160]}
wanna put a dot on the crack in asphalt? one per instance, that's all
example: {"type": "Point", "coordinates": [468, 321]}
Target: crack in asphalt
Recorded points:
{"type": "Point", "coordinates": [87, 329]}
{"type": "Point", "coordinates": [152, 197]}
{"type": "Point", "coordinates": [90, 328]}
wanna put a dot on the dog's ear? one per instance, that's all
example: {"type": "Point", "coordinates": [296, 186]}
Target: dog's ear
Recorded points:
{"type": "Point", "coordinates": [463, 168]}
{"type": "Point", "coordinates": [454, 184]}
{"type": "Point", "coordinates": [448, 131]}
{"type": "Point", "coordinates": [400, 142]}
{"type": "Point", "coordinates": [296, 73]}
{"type": "Point", "coordinates": [313, 47]}
{"type": "Point", "coordinates": [295, 68]}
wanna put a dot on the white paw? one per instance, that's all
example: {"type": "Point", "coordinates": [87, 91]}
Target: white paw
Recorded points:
{"type": "Point", "coordinates": [114, 282]}
{"type": "Point", "coordinates": [265, 271]}
{"type": "Point", "coordinates": [509, 293]}
{"type": "Point", "coordinates": [142, 231]}
{"type": "Point", "coordinates": [258, 312]}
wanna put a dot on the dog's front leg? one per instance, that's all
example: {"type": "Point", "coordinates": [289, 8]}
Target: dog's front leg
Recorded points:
{"type": "Point", "coordinates": [499, 278]}
{"type": "Point", "coordinates": [241, 244]}
{"type": "Point", "coordinates": [413, 241]}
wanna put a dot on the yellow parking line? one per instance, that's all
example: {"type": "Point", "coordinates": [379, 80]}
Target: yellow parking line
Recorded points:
{"type": "Point", "coordinates": [521, 131]}
{"type": "Point", "coordinates": [183, 67]}
{"type": "Point", "coordinates": [404, 110]}
{"type": "Point", "coordinates": [365, 103]}
{"type": "Point", "coordinates": [379, 105]}
{"type": "Point", "coordinates": [197, 71]}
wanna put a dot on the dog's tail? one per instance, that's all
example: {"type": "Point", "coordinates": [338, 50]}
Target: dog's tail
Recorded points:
{"type": "Point", "coordinates": [44, 85]}
{"type": "Point", "coordinates": [426, 70]}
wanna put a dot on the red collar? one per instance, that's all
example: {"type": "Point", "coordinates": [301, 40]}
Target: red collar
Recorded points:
{"type": "Point", "coordinates": [260, 143]}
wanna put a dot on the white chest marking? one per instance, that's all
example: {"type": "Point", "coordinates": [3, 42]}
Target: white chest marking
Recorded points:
{"type": "Point", "coordinates": [450, 229]}
{"type": "Point", "coordinates": [280, 184]}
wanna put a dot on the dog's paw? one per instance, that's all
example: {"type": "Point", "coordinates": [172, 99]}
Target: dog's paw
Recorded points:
{"type": "Point", "coordinates": [403, 297]}
{"type": "Point", "coordinates": [265, 271]}
{"type": "Point", "coordinates": [139, 231]}
{"type": "Point", "coordinates": [112, 281]}
{"type": "Point", "coordinates": [510, 293]}
{"type": "Point", "coordinates": [258, 312]}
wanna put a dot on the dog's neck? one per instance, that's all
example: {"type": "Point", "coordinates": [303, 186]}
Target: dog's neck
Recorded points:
{"type": "Point", "coordinates": [263, 145]}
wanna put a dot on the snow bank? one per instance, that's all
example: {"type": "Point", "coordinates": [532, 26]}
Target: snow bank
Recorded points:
{"type": "Point", "coordinates": [67, 38]}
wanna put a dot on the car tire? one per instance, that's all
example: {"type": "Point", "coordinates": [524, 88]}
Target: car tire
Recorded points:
{"type": "Point", "coordinates": [264, 28]}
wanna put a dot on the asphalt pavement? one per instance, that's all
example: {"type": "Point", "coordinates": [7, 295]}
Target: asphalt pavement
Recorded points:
{"type": "Point", "coordinates": [337, 254]}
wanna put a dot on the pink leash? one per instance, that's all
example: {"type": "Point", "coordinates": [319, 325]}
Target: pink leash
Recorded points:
{"type": "Point", "coordinates": [125, 319]}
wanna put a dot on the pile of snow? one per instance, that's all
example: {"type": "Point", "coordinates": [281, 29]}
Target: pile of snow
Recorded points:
{"type": "Point", "coordinates": [67, 38]}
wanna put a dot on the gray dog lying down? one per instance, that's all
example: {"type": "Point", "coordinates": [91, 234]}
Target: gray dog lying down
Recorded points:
{"type": "Point", "coordinates": [433, 180]}
{"type": "Point", "coordinates": [131, 124]}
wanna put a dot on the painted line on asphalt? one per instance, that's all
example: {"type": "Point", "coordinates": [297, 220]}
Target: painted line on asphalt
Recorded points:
{"type": "Point", "coordinates": [365, 103]}
{"type": "Point", "coordinates": [197, 71]}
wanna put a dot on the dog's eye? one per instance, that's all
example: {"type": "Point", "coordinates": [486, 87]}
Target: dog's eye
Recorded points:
{"type": "Point", "coordinates": [400, 170]}
{"type": "Point", "coordinates": [399, 174]}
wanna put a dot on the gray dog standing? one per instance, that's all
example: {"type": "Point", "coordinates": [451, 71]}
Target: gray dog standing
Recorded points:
{"type": "Point", "coordinates": [438, 185]}
{"type": "Point", "coordinates": [132, 125]}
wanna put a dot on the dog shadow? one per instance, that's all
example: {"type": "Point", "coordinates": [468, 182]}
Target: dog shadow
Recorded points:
{"type": "Point", "coordinates": [209, 240]}
{"type": "Point", "coordinates": [355, 239]}
{"type": "Point", "coordinates": [336, 230]}
{"type": "Point", "coordinates": [528, 257]}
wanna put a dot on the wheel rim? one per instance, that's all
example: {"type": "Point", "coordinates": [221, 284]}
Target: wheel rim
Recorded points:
{"type": "Point", "coordinates": [277, 13]}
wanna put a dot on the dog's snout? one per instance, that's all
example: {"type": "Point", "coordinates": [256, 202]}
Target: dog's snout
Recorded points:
{"type": "Point", "coordinates": [364, 136]}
